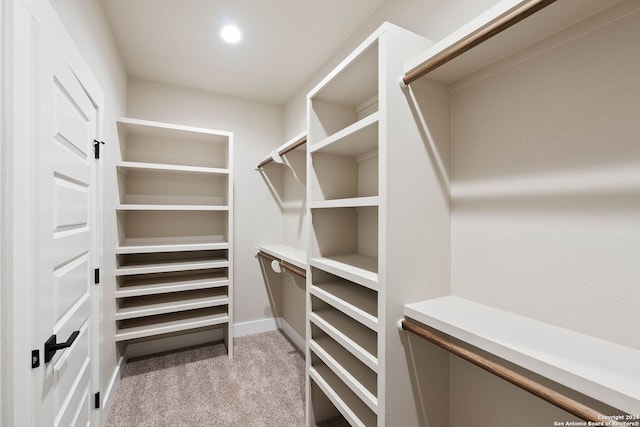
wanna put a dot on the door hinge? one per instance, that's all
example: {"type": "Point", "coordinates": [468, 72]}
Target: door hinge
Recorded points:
{"type": "Point", "coordinates": [96, 276]}
{"type": "Point", "coordinates": [35, 358]}
{"type": "Point", "coordinates": [96, 400]}
{"type": "Point", "coordinates": [96, 148]}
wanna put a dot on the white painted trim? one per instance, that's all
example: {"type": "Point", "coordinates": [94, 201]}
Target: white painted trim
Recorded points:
{"type": "Point", "coordinates": [291, 333]}
{"type": "Point", "coordinates": [111, 390]}
{"type": "Point", "coordinates": [16, 232]}
{"type": "Point", "coordinates": [255, 327]}
{"type": "Point", "coordinates": [266, 325]}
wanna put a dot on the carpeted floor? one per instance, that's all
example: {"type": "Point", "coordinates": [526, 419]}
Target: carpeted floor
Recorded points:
{"type": "Point", "coordinates": [262, 386]}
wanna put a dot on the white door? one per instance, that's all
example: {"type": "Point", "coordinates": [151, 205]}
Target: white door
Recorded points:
{"type": "Point", "coordinates": [65, 212]}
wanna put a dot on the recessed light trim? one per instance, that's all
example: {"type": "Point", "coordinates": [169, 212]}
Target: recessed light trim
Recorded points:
{"type": "Point", "coordinates": [230, 34]}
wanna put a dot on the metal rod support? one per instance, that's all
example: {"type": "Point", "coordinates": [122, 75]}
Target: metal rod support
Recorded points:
{"type": "Point", "coordinates": [283, 151]}
{"type": "Point", "coordinates": [287, 266]}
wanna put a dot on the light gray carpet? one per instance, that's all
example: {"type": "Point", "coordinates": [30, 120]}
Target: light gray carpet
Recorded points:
{"type": "Point", "coordinates": [262, 386]}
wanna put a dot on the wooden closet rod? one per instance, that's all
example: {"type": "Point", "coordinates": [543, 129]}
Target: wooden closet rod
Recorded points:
{"type": "Point", "coordinates": [475, 38]}
{"type": "Point", "coordinates": [283, 152]}
{"type": "Point", "coordinates": [284, 264]}
{"type": "Point", "coordinates": [543, 392]}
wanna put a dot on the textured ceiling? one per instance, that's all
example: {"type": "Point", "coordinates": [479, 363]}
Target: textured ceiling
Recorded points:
{"type": "Point", "coordinates": [285, 41]}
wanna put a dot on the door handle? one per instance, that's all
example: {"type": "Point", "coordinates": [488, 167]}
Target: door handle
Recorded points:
{"type": "Point", "coordinates": [51, 346]}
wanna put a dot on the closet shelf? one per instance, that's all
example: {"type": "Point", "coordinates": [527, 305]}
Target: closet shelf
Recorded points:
{"type": "Point", "coordinates": [169, 303]}
{"type": "Point", "coordinates": [359, 379]}
{"type": "Point", "coordinates": [179, 132]}
{"type": "Point", "coordinates": [294, 256]}
{"type": "Point", "coordinates": [578, 361]}
{"type": "Point", "coordinates": [160, 285]}
{"type": "Point", "coordinates": [151, 245]}
{"type": "Point", "coordinates": [131, 207]}
{"type": "Point", "coordinates": [359, 138]}
{"type": "Point", "coordinates": [168, 323]}
{"type": "Point", "coordinates": [358, 268]}
{"type": "Point", "coordinates": [345, 401]}
{"type": "Point", "coordinates": [362, 346]}
{"type": "Point", "coordinates": [164, 267]}
{"type": "Point", "coordinates": [351, 299]}
{"type": "Point", "coordinates": [159, 167]}
{"type": "Point", "coordinates": [354, 202]}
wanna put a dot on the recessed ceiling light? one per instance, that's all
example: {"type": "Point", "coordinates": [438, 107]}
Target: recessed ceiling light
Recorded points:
{"type": "Point", "coordinates": [230, 34]}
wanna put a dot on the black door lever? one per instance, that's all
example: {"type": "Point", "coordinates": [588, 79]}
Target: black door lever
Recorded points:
{"type": "Point", "coordinates": [50, 347]}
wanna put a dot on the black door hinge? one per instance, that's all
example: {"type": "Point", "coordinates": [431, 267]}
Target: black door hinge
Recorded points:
{"type": "Point", "coordinates": [96, 148]}
{"type": "Point", "coordinates": [96, 276]}
{"type": "Point", "coordinates": [35, 358]}
{"type": "Point", "coordinates": [96, 400]}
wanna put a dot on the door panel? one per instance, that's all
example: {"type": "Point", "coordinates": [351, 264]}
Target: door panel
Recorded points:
{"type": "Point", "coordinates": [69, 284]}
{"type": "Point", "coordinates": [66, 241]}
{"type": "Point", "coordinates": [70, 202]}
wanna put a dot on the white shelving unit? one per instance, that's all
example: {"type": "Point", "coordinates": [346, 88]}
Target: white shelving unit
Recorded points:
{"type": "Point", "coordinates": [540, 347]}
{"type": "Point", "coordinates": [175, 258]}
{"type": "Point", "coordinates": [363, 149]}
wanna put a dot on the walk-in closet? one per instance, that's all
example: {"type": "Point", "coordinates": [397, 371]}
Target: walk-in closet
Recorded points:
{"type": "Point", "coordinates": [315, 214]}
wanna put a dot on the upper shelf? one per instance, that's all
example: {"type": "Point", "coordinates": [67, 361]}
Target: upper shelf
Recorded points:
{"type": "Point", "coordinates": [294, 256]}
{"type": "Point", "coordinates": [552, 19]}
{"type": "Point", "coordinates": [186, 147]}
{"type": "Point", "coordinates": [359, 138]}
{"type": "Point", "coordinates": [355, 79]}
{"type": "Point", "coordinates": [141, 166]}
{"type": "Point", "coordinates": [169, 130]}
{"type": "Point", "coordinates": [600, 369]}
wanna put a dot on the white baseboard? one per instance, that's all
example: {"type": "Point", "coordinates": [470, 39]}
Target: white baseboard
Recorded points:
{"type": "Point", "coordinates": [266, 325]}
{"type": "Point", "coordinates": [292, 334]}
{"type": "Point", "coordinates": [111, 390]}
{"type": "Point", "coordinates": [254, 327]}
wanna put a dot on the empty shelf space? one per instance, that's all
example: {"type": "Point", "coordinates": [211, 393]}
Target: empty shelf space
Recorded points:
{"type": "Point", "coordinates": [542, 348]}
{"type": "Point", "coordinates": [169, 227]}
{"type": "Point", "coordinates": [169, 168]}
{"type": "Point", "coordinates": [346, 95]}
{"type": "Point", "coordinates": [171, 244]}
{"type": "Point", "coordinates": [356, 301]}
{"type": "Point", "coordinates": [144, 141]}
{"type": "Point", "coordinates": [169, 261]}
{"type": "Point", "coordinates": [350, 406]}
{"type": "Point", "coordinates": [151, 305]}
{"type": "Point", "coordinates": [358, 377]}
{"type": "Point", "coordinates": [167, 323]}
{"type": "Point", "coordinates": [360, 341]}
{"type": "Point", "coordinates": [353, 202]}
{"type": "Point", "coordinates": [151, 284]}
{"type": "Point", "coordinates": [294, 256]}
{"type": "Point", "coordinates": [357, 268]}
{"type": "Point", "coordinates": [158, 188]}
{"type": "Point", "coordinates": [359, 138]}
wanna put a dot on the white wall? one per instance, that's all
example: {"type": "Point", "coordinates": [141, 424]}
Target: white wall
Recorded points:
{"type": "Point", "coordinates": [433, 19]}
{"type": "Point", "coordinates": [86, 22]}
{"type": "Point", "coordinates": [3, 309]}
{"type": "Point", "coordinates": [257, 131]}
